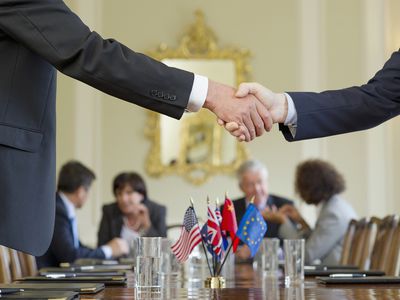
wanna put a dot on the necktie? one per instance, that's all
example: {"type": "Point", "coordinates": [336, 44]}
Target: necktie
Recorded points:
{"type": "Point", "coordinates": [74, 226]}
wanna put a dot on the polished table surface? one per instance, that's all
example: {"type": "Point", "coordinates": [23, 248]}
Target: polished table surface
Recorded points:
{"type": "Point", "coordinates": [247, 284]}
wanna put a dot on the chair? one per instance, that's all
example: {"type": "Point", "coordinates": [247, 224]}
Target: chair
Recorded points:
{"type": "Point", "coordinates": [15, 265]}
{"type": "Point", "coordinates": [370, 235]}
{"type": "Point", "coordinates": [5, 273]}
{"type": "Point", "coordinates": [173, 231]}
{"type": "Point", "coordinates": [384, 239]}
{"type": "Point", "coordinates": [28, 264]}
{"type": "Point", "coordinates": [393, 263]}
{"type": "Point", "coordinates": [347, 242]}
{"type": "Point", "coordinates": [357, 244]}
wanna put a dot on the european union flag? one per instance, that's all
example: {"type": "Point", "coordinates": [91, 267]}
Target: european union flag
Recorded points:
{"type": "Point", "coordinates": [252, 228]}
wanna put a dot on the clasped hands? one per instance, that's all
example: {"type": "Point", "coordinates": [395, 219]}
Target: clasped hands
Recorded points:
{"type": "Point", "coordinates": [248, 111]}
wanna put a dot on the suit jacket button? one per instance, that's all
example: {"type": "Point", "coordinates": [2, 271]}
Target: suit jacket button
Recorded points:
{"type": "Point", "coordinates": [166, 97]}
{"type": "Point", "coordinates": [153, 92]}
{"type": "Point", "coordinates": [160, 94]}
{"type": "Point", "coordinates": [172, 98]}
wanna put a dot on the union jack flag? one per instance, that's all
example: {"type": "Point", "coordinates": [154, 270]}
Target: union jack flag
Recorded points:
{"type": "Point", "coordinates": [214, 236]}
{"type": "Point", "coordinates": [190, 236]}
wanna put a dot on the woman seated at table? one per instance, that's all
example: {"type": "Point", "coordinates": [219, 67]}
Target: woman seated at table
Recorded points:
{"type": "Point", "coordinates": [133, 214]}
{"type": "Point", "coordinates": [318, 183]}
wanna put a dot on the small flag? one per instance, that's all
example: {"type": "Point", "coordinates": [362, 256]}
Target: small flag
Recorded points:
{"type": "Point", "coordinates": [229, 223]}
{"type": "Point", "coordinates": [223, 233]}
{"type": "Point", "coordinates": [252, 228]}
{"type": "Point", "coordinates": [204, 236]}
{"type": "Point", "coordinates": [190, 236]}
{"type": "Point", "coordinates": [214, 231]}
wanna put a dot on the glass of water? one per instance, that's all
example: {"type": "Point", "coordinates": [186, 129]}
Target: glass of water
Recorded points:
{"type": "Point", "coordinates": [270, 257]}
{"type": "Point", "coordinates": [148, 267]}
{"type": "Point", "coordinates": [294, 261]}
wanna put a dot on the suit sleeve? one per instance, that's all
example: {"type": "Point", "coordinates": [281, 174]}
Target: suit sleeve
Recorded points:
{"type": "Point", "coordinates": [50, 29]}
{"type": "Point", "coordinates": [351, 109]}
{"type": "Point", "coordinates": [104, 233]}
{"type": "Point", "coordinates": [62, 245]}
{"type": "Point", "coordinates": [158, 224]}
{"type": "Point", "coordinates": [327, 233]}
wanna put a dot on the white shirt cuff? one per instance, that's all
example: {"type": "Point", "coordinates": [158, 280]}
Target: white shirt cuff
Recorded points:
{"type": "Point", "coordinates": [291, 118]}
{"type": "Point", "coordinates": [198, 94]}
{"type": "Point", "coordinates": [107, 251]}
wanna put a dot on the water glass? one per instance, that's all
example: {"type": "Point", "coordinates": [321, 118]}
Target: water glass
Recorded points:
{"type": "Point", "coordinates": [148, 265]}
{"type": "Point", "coordinates": [269, 258]}
{"type": "Point", "coordinates": [196, 268]}
{"type": "Point", "coordinates": [294, 261]}
{"type": "Point", "coordinates": [169, 263]}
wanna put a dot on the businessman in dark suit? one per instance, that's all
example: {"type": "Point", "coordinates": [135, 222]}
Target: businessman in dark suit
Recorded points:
{"type": "Point", "coordinates": [36, 38]}
{"type": "Point", "coordinates": [133, 214]}
{"type": "Point", "coordinates": [253, 181]}
{"type": "Point", "coordinates": [305, 115]}
{"type": "Point", "coordinates": [73, 187]}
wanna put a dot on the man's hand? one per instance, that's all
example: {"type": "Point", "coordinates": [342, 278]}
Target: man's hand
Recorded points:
{"type": "Point", "coordinates": [275, 103]}
{"type": "Point", "coordinates": [273, 215]}
{"type": "Point", "coordinates": [118, 246]}
{"type": "Point", "coordinates": [243, 253]}
{"type": "Point", "coordinates": [250, 115]}
{"type": "Point", "coordinates": [291, 212]}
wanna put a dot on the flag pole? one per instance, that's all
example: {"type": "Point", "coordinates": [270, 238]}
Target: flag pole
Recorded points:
{"type": "Point", "coordinates": [226, 256]}
{"type": "Point", "coordinates": [202, 242]}
{"type": "Point", "coordinates": [230, 247]}
{"type": "Point", "coordinates": [217, 263]}
{"type": "Point", "coordinates": [212, 256]}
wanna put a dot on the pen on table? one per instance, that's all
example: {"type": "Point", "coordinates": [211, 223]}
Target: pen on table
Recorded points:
{"type": "Point", "coordinates": [355, 275]}
{"type": "Point", "coordinates": [59, 275]}
{"type": "Point", "coordinates": [315, 268]}
{"type": "Point", "coordinates": [10, 291]}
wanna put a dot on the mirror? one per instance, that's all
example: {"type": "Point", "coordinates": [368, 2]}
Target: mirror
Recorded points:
{"type": "Point", "coordinates": [203, 148]}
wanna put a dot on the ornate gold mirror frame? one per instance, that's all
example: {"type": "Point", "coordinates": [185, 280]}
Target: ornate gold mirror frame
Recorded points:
{"type": "Point", "coordinates": [200, 129]}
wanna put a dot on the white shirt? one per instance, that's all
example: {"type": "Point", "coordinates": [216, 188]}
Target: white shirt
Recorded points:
{"type": "Point", "coordinates": [71, 213]}
{"type": "Point", "coordinates": [198, 94]}
{"type": "Point", "coordinates": [291, 118]}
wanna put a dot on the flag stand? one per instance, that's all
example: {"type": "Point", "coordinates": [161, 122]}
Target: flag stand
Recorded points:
{"type": "Point", "coordinates": [202, 242]}
{"type": "Point", "coordinates": [226, 256]}
{"type": "Point", "coordinates": [216, 282]}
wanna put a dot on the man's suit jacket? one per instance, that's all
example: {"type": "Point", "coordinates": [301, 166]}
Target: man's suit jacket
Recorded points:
{"type": "Point", "coordinates": [36, 38]}
{"type": "Point", "coordinates": [112, 221]}
{"type": "Point", "coordinates": [325, 242]}
{"type": "Point", "coordinates": [62, 244]}
{"type": "Point", "coordinates": [272, 229]}
{"type": "Point", "coordinates": [351, 109]}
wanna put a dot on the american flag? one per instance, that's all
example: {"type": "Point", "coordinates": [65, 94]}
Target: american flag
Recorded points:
{"type": "Point", "coordinates": [190, 236]}
{"type": "Point", "coordinates": [214, 231]}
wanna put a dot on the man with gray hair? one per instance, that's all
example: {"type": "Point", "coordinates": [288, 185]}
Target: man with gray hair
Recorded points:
{"type": "Point", "coordinates": [253, 181]}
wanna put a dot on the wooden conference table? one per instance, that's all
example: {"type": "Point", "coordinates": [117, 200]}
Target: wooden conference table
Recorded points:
{"type": "Point", "coordinates": [247, 284]}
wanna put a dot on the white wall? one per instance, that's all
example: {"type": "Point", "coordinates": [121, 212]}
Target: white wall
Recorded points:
{"type": "Point", "coordinates": [296, 45]}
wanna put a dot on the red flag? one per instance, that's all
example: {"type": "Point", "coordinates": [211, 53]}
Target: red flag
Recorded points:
{"type": "Point", "coordinates": [214, 231]}
{"type": "Point", "coordinates": [229, 221]}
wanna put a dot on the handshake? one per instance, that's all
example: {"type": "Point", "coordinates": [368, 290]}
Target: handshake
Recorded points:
{"type": "Point", "coordinates": [248, 111]}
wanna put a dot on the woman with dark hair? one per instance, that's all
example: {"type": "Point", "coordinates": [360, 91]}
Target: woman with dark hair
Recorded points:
{"type": "Point", "coordinates": [319, 183]}
{"type": "Point", "coordinates": [133, 214]}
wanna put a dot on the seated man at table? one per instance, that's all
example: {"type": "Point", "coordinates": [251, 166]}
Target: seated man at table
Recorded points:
{"type": "Point", "coordinates": [253, 181]}
{"type": "Point", "coordinates": [132, 214]}
{"type": "Point", "coordinates": [73, 186]}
